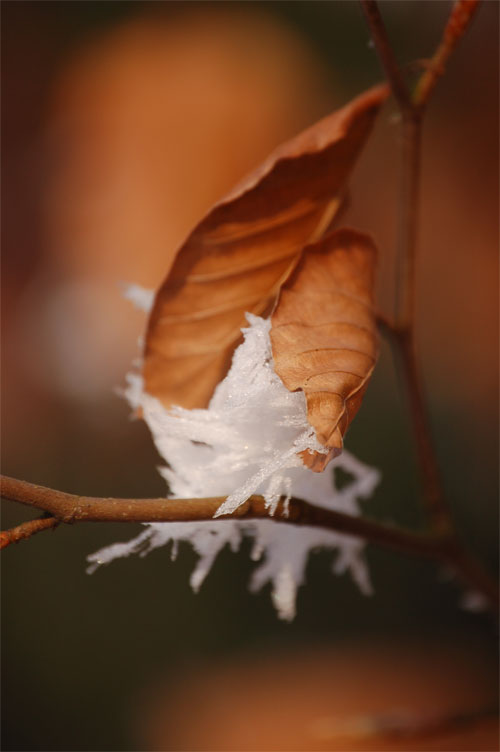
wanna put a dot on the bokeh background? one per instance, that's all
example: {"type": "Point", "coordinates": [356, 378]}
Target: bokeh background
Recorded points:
{"type": "Point", "coordinates": [122, 123]}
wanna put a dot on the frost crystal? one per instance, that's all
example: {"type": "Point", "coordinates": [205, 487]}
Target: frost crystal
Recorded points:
{"type": "Point", "coordinates": [247, 442]}
{"type": "Point", "coordinates": [140, 297]}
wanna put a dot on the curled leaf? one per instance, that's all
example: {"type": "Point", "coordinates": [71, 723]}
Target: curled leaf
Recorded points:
{"type": "Point", "coordinates": [239, 255]}
{"type": "Point", "coordinates": [324, 336]}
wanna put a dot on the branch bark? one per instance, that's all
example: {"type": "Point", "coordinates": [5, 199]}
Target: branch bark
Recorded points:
{"type": "Point", "coordinates": [402, 331]}
{"type": "Point", "coordinates": [389, 63]}
{"type": "Point", "coordinates": [26, 530]}
{"type": "Point", "coordinates": [403, 337]}
{"type": "Point", "coordinates": [69, 509]}
{"type": "Point", "coordinates": [460, 17]}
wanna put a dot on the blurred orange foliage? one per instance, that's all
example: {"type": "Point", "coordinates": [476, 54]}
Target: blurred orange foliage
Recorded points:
{"type": "Point", "coordinates": [327, 700]}
{"type": "Point", "coordinates": [149, 125]}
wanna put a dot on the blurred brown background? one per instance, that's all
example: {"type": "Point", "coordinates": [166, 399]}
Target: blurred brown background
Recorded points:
{"type": "Point", "coordinates": [122, 123]}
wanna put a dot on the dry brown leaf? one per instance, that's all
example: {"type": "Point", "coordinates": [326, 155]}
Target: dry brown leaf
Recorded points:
{"type": "Point", "coordinates": [324, 335]}
{"type": "Point", "coordinates": [239, 255]}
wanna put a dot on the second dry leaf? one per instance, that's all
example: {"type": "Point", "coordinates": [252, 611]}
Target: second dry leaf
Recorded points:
{"type": "Point", "coordinates": [324, 335]}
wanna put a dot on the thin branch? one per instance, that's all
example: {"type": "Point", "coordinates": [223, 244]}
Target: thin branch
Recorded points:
{"type": "Point", "coordinates": [403, 345]}
{"type": "Point", "coordinates": [403, 330]}
{"type": "Point", "coordinates": [386, 55]}
{"type": "Point", "coordinates": [403, 339]}
{"type": "Point", "coordinates": [433, 497]}
{"type": "Point", "coordinates": [26, 530]}
{"type": "Point", "coordinates": [458, 21]}
{"type": "Point", "coordinates": [69, 508]}
{"type": "Point", "coordinates": [408, 220]}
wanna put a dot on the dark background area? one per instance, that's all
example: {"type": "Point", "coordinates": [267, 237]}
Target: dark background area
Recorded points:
{"type": "Point", "coordinates": [94, 99]}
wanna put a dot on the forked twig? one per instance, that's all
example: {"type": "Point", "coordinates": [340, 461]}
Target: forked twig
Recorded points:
{"type": "Point", "coordinates": [69, 509]}
{"type": "Point", "coordinates": [403, 330]}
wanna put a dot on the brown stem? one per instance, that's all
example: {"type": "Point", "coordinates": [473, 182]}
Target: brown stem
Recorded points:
{"type": "Point", "coordinates": [69, 508]}
{"type": "Point", "coordinates": [433, 492]}
{"type": "Point", "coordinates": [458, 21]}
{"type": "Point", "coordinates": [404, 344]}
{"type": "Point", "coordinates": [384, 50]}
{"type": "Point", "coordinates": [403, 330]}
{"type": "Point", "coordinates": [408, 215]}
{"type": "Point", "coordinates": [26, 530]}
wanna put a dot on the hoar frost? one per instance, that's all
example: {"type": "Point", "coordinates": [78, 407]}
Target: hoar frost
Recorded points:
{"type": "Point", "coordinates": [247, 442]}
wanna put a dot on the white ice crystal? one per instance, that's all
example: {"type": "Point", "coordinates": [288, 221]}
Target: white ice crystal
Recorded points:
{"type": "Point", "coordinates": [141, 297]}
{"type": "Point", "coordinates": [247, 442]}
